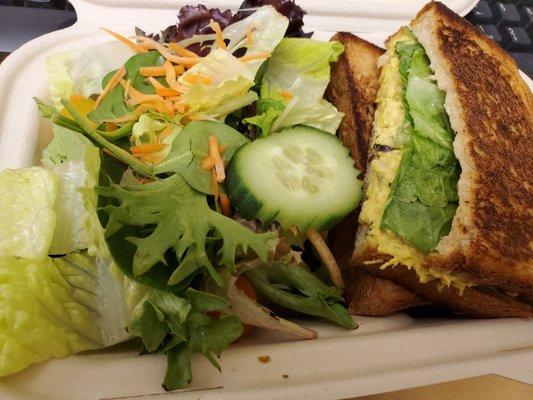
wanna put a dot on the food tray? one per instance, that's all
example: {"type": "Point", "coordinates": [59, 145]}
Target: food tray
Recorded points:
{"type": "Point", "coordinates": [384, 354]}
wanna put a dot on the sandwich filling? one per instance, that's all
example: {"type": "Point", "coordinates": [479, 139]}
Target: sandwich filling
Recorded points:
{"type": "Point", "coordinates": [411, 194]}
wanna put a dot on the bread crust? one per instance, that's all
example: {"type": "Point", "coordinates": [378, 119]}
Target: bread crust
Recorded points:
{"type": "Point", "coordinates": [479, 302]}
{"type": "Point", "coordinates": [352, 89]}
{"type": "Point", "coordinates": [491, 110]}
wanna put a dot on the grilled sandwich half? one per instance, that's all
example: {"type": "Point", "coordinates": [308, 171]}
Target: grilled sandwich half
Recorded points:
{"type": "Point", "coordinates": [448, 201]}
{"type": "Point", "coordinates": [352, 89]}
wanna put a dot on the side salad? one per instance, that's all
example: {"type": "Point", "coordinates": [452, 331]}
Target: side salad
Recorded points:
{"type": "Point", "coordinates": [186, 174]}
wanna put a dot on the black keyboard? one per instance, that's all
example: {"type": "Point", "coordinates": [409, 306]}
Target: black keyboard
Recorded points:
{"type": "Point", "coordinates": [510, 24]}
{"type": "Point", "coordinates": [24, 20]}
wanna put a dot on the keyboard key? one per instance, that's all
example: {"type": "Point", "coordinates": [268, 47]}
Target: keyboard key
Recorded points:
{"type": "Point", "coordinates": [527, 18]}
{"type": "Point", "coordinates": [506, 14]}
{"type": "Point", "coordinates": [516, 39]}
{"type": "Point", "coordinates": [525, 62]}
{"type": "Point", "coordinates": [492, 32]}
{"type": "Point", "coordinates": [482, 14]}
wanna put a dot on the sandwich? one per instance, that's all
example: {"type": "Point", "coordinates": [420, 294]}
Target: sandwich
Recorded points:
{"type": "Point", "coordinates": [447, 212]}
{"type": "Point", "coordinates": [352, 89]}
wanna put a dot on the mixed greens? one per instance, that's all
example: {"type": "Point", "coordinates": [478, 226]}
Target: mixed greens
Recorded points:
{"type": "Point", "coordinates": [423, 197]}
{"type": "Point", "coordinates": [129, 227]}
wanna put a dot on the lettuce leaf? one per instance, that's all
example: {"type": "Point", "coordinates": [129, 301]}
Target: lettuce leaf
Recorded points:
{"type": "Point", "coordinates": [169, 215]}
{"type": "Point", "coordinates": [55, 308]}
{"type": "Point", "coordinates": [268, 110]}
{"type": "Point", "coordinates": [27, 217]}
{"type": "Point", "coordinates": [231, 79]}
{"type": "Point", "coordinates": [301, 68]}
{"type": "Point", "coordinates": [423, 197]}
{"type": "Point", "coordinates": [296, 288]}
{"type": "Point", "coordinates": [76, 163]}
{"type": "Point", "coordinates": [269, 27]}
{"type": "Point", "coordinates": [81, 71]}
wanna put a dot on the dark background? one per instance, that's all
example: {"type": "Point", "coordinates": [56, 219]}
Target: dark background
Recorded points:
{"type": "Point", "coordinates": [508, 22]}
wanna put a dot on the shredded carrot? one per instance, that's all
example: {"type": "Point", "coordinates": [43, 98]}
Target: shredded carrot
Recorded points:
{"type": "Point", "coordinates": [193, 78]}
{"type": "Point", "coordinates": [182, 108]}
{"type": "Point", "coordinates": [225, 205]}
{"type": "Point", "coordinates": [257, 56]}
{"type": "Point", "coordinates": [109, 126]}
{"type": "Point", "coordinates": [131, 91]}
{"type": "Point", "coordinates": [285, 94]}
{"type": "Point", "coordinates": [155, 83]}
{"type": "Point", "coordinates": [214, 184]}
{"type": "Point", "coordinates": [170, 75]}
{"type": "Point", "coordinates": [174, 98]}
{"type": "Point", "coordinates": [168, 92]}
{"type": "Point", "coordinates": [161, 107]}
{"type": "Point", "coordinates": [147, 148]}
{"type": "Point", "coordinates": [159, 71]}
{"type": "Point", "coordinates": [144, 98]}
{"type": "Point", "coordinates": [115, 79]}
{"type": "Point", "coordinates": [165, 132]}
{"type": "Point", "coordinates": [218, 32]}
{"type": "Point", "coordinates": [135, 47]}
{"type": "Point", "coordinates": [162, 90]}
{"type": "Point", "coordinates": [148, 43]}
{"type": "Point", "coordinates": [132, 116]}
{"type": "Point", "coordinates": [169, 107]}
{"type": "Point", "coordinates": [249, 35]}
{"type": "Point", "coordinates": [208, 163]}
{"type": "Point", "coordinates": [137, 97]}
{"type": "Point", "coordinates": [182, 51]}
{"type": "Point", "coordinates": [219, 163]}
{"type": "Point", "coordinates": [222, 148]}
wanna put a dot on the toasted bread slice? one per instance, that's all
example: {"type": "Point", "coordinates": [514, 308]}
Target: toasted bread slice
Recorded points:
{"type": "Point", "coordinates": [352, 89]}
{"type": "Point", "coordinates": [491, 239]}
{"type": "Point", "coordinates": [491, 110]}
{"type": "Point", "coordinates": [478, 301]}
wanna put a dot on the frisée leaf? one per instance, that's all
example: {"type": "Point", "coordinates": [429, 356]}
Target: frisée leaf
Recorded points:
{"type": "Point", "coordinates": [182, 221]}
{"type": "Point", "coordinates": [180, 325]}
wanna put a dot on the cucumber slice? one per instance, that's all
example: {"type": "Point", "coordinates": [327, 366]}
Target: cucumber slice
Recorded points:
{"type": "Point", "coordinates": [299, 177]}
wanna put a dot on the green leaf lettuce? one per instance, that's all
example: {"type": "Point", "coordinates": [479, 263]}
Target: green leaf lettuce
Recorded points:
{"type": "Point", "coordinates": [301, 67]}
{"type": "Point", "coordinates": [27, 216]}
{"type": "Point", "coordinates": [423, 197]}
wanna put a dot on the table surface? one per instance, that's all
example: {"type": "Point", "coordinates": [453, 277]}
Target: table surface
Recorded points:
{"type": "Point", "coordinates": [487, 387]}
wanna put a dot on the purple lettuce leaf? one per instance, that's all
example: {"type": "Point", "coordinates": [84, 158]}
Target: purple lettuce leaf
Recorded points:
{"type": "Point", "coordinates": [287, 8]}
